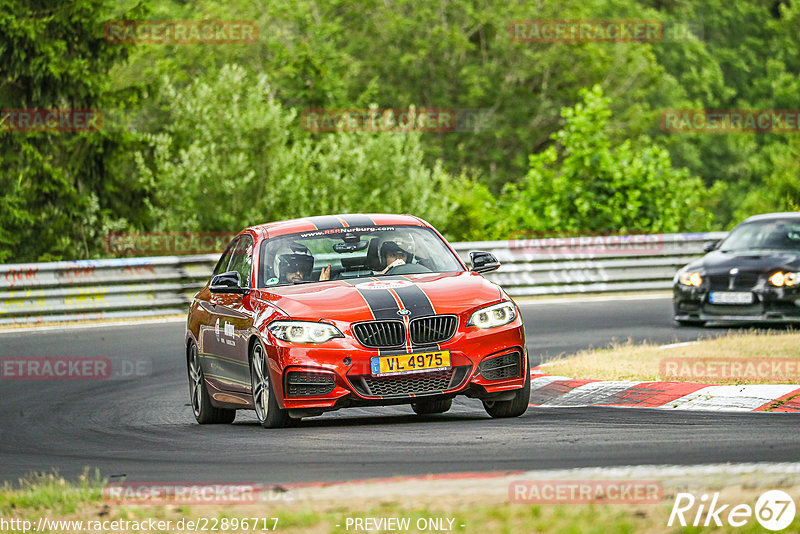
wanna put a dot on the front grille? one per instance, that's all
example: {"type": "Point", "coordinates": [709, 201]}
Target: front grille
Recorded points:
{"type": "Point", "coordinates": [380, 334]}
{"type": "Point", "coordinates": [741, 281]}
{"type": "Point", "coordinates": [434, 329]}
{"type": "Point", "coordinates": [755, 309]}
{"type": "Point", "coordinates": [501, 367]}
{"type": "Point", "coordinates": [412, 384]}
{"type": "Point", "coordinates": [303, 384]}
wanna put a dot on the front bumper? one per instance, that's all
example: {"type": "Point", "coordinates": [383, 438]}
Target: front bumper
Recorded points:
{"type": "Point", "coordinates": [776, 305]}
{"type": "Point", "coordinates": [482, 366]}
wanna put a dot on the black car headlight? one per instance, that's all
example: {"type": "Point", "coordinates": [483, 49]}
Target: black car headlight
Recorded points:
{"type": "Point", "coordinates": [782, 279]}
{"type": "Point", "coordinates": [304, 331]}
{"type": "Point", "coordinates": [493, 316]}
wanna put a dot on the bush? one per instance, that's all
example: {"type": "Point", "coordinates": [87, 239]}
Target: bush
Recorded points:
{"type": "Point", "coordinates": [231, 155]}
{"type": "Point", "coordinates": [582, 183]}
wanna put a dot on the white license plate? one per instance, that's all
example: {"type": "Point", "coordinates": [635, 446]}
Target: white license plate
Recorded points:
{"type": "Point", "coordinates": [730, 297]}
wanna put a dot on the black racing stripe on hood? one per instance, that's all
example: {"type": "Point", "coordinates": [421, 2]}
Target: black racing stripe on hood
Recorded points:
{"type": "Point", "coordinates": [415, 300]}
{"type": "Point", "coordinates": [381, 303]}
{"type": "Point", "coordinates": [325, 222]}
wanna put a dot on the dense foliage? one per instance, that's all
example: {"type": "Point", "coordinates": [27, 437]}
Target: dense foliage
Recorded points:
{"type": "Point", "coordinates": [208, 137]}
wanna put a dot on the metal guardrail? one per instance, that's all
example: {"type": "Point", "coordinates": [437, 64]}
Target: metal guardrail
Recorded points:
{"type": "Point", "coordinates": [138, 287]}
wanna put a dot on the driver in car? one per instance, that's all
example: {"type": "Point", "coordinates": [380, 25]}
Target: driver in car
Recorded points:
{"type": "Point", "coordinates": [395, 252]}
{"type": "Point", "coordinates": [297, 266]}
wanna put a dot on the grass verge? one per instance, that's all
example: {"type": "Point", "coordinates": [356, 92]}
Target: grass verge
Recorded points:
{"type": "Point", "coordinates": [468, 507]}
{"type": "Point", "coordinates": [749, 358]}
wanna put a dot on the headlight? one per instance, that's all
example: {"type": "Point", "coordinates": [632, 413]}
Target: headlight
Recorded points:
{"type": "Point", "coordinates": [494, 315]}
{"type": "Point", "coordinates": [304, 331]}
{"type": "Point", "coordinates": [691, 278]}
{"type": "Point", "coordinates": [781, 279]}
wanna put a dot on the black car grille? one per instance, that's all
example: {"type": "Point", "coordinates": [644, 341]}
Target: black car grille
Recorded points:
{"type": "Point", "coordinates": [741, 281]}
{"type": "Point", "coordinates": [303, 384]}
{"type": "Point", "coordinates": [411, 384]}
{"type": "Point", "coordinates": [502, 367]}
{"type": "Point", "coordinates": [379, 334]}
{"type": "Point", "coordinates": [392, 333]}
{"type": "Point", "coordinates": [755, 309]}
{"type": "Point", "coordinates": [435, 329]}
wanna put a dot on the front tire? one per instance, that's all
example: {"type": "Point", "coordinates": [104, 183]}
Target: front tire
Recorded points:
{"type": "Point", "coordinates": [204, 411]}
{"type": "Point", "coordinates": [269, 414]}
{"type": "Point", "coordinates": [432, 406]}
{"type": "Point", "coordinates": [514, 407]}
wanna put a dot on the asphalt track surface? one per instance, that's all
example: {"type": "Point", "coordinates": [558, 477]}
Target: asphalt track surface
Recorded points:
{"type": "Point", "coordinates": [143, 427]}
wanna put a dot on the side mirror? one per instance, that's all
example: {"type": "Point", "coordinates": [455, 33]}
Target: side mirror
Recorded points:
{"type": "Point", "coordinates": [228, 282]}
{"type": "Point", "coordinates": [483, 262]}
{"type": "Point", "coordinates": [711, 246]}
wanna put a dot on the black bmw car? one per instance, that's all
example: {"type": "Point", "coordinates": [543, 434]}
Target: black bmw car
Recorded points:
{"type": "Point", "coordinates": [751, 275]}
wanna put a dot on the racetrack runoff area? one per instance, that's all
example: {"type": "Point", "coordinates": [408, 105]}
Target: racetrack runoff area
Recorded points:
{"type": "Point", "coordinates": [640, 499]}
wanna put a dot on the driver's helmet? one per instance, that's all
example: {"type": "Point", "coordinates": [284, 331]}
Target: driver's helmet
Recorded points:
{"type": "Point", "coordinates": [295, 257]}
{"type": "Point", "coordinates": [398, 244]}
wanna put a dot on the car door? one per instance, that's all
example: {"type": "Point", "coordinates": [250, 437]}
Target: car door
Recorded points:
{"type": "Point", "coordinates": [208, 338]}
{"type": "Point", "coordinates": [233, 320]}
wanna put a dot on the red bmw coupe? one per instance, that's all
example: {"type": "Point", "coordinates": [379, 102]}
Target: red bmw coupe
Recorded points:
{"type": "Point", "coordinates": [310, 315]}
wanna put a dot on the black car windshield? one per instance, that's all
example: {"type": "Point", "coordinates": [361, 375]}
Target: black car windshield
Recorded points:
{"type": "Point", "coordinates": [780, 234]}
{"type": "Point", "coordinates": [353, 252]}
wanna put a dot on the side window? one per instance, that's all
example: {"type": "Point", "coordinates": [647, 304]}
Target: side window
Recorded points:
{"type": "Point", "coordinates": [242, 259]}
{"type": "Point", "coordinates": [225, 259]}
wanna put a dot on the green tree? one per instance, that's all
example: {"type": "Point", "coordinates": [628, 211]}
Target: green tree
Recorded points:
{"type": "Point", "coordinates": [230, 155]}
{"type": "Point", "coordinates": [454, 55]}
{"type": "Point", "coordinates": [781, 187]}
{"type": "Point", "coordinates": [584, 183]}
{"type": "Point", "coordinates": [746, 56]}
{"type": "Point", "coordinates": [56, 193]}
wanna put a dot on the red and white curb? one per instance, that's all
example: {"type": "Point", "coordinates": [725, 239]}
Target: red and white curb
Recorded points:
{"type": "Point", "coordinates": [564, 392]}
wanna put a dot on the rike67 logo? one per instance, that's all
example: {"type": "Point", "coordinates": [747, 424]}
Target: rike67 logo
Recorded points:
{"type": "Point", "coordinates": [774, 510]}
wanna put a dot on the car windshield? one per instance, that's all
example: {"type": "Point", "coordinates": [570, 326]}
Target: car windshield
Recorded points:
{"type": "Point", "coordinates": [764, 235]}
{"type": "Point", "coordinates": [353, 253]}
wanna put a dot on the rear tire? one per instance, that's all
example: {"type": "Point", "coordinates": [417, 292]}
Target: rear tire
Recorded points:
{"type": "Point", "coordinates": [269, 414]}
{"type": "Point", "coordinates": [514, 407]}
{"type": "Point", "coordinates": [204, 411]}
{"type": "Point", "coordinates": [432, 406]}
